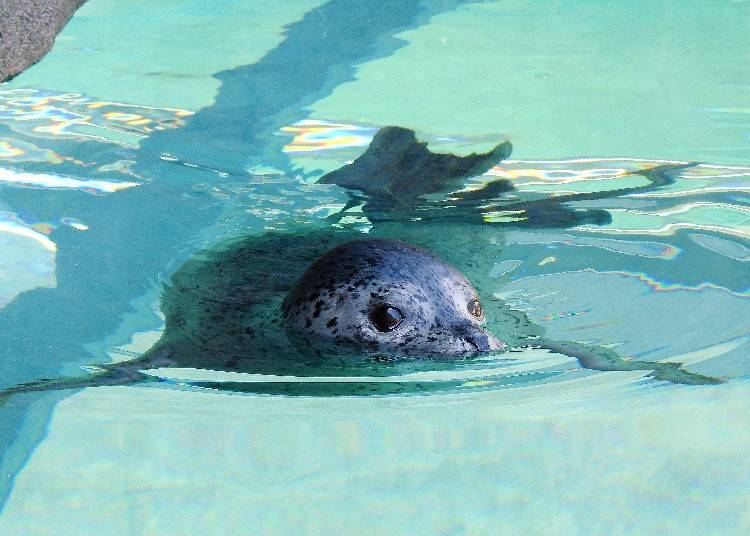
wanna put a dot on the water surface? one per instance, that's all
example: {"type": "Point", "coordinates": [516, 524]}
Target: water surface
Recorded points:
{"type": "Point", "coordinates": [118, 162]}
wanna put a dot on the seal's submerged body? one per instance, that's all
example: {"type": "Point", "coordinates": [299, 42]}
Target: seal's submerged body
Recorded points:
{"type": "Point", "coordinates": [330, 301]}
{"type": "Point", "coordinates": [335, 303]}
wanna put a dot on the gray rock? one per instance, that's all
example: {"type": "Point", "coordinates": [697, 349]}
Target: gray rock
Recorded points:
{"type": "Point", "coordinates": [28, 29]}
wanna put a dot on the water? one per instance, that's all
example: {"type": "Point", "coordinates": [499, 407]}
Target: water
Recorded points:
{"type": "Point", "coordinates": [119, 162]}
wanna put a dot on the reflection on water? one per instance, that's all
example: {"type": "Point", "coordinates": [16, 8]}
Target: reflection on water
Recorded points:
{"type": "Point", "coordinates": [42, 114]}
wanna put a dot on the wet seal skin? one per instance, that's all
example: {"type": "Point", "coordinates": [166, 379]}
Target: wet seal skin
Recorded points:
{"type": "Point", "coordinates": [27, 31]}
{"type": "Point", "coordinates": [317, 301]}
{"type": "Point", "coordinates": [386, 295]}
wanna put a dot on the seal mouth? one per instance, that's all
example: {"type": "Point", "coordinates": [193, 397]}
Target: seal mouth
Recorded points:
{"type": "Point", "coordinates": [480, 344]}
{"type": "Point", "coordinates": [484, 342]}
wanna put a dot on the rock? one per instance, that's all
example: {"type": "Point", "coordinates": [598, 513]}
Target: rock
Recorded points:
{"type": "Point", "coordinates": [28, 29]}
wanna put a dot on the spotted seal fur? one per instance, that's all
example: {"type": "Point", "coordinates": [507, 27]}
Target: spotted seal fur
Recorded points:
{"type": "Point", "coordinates": [387, 295]}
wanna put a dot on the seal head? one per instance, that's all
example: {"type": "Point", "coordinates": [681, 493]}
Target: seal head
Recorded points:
{"type": "Point", "coordinates": [388, 296]}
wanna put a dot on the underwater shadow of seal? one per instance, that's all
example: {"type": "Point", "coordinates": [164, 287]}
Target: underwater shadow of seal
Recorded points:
{"type": "Point", "coordinates": [223, 306]}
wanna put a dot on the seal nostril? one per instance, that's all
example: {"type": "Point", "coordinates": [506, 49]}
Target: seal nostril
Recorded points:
{"type": "Point", "coordinates": [480, 342]}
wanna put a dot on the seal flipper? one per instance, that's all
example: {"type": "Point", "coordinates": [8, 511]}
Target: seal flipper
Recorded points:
{"type": "Point", "coordinates": [607, 360]}
{"type": "Point", "coordinates": [121, 374]}
{"type": "Point", "coordinates": [552, 211]}
{"type": "Point", "coordinates": [657, 176]}
{"type": "Point", "coordinates": [397, 169]}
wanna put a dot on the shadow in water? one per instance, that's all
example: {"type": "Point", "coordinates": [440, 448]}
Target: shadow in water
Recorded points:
{"type": "Point", "coordinates": [136, 235]}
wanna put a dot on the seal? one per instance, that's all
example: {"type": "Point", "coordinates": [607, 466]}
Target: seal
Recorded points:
{"type": "Point", "coordinates": [322, 301]}
{"type": "Point", "coordinates": [386, 295]}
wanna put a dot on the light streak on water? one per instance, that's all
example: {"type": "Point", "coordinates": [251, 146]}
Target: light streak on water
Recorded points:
{"type": "Point", "coordinates": [53, 181]}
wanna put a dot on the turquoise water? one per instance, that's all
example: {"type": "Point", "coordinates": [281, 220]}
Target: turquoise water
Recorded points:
{"type": "Point", "coordinates": [122, 159]}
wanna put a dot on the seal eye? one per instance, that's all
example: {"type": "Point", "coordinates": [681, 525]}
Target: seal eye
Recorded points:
{"type": "Point", "coordinates": [387, 318]}
{"type": "Point", "coordinates": [475, 308]}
